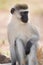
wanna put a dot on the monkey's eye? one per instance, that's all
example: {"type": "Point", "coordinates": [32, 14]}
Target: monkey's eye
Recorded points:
{"type": "Point", "coordinates": [25, 12]}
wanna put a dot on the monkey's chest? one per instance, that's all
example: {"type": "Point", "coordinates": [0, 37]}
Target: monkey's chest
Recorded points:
{"type": "Point", "coordinates": [23, 32]}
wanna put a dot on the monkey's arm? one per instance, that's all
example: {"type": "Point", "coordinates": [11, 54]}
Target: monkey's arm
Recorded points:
{"type": "Point", "coordinates": [35, 34]}
{"type": "Point", "coordinates": [33, 39]}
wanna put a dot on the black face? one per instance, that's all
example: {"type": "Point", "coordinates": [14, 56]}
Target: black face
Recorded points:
{"type": "Point", "coordinates": [24, 16]}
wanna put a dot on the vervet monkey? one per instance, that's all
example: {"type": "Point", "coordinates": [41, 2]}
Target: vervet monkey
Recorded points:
{"type": "Point", "coordinates": [22, 36]}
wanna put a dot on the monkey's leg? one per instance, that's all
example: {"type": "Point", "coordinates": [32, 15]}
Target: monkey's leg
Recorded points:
{"type": "Point", "coordinates": [20, 51]}
{"type": "Point", "coordinates": [13, 54]}
{"type": "Point", "coordinates": [32, 57]}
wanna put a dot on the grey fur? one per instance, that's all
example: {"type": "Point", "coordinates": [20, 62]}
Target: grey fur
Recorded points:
{"type": "Point", "coordinates": [22, 33]}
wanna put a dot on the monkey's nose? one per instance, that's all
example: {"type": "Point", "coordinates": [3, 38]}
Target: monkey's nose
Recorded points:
{"type": "Point", "coordinates": [24, 19]}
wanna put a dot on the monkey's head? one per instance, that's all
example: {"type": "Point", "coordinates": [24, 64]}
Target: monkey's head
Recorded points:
{"type": "Point", "coordinates": [21, 12]}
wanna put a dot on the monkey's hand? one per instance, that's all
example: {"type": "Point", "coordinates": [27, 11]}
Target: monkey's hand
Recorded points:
{"type": "Point", "coordinates": [28, 47]}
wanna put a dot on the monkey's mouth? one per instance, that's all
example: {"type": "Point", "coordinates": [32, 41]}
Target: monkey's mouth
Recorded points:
{"type": "Point", "coordinates": [24, 19]}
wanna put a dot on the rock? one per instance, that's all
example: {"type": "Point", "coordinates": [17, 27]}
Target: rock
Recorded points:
{"type": "Point", "coordinates": [4, 59]}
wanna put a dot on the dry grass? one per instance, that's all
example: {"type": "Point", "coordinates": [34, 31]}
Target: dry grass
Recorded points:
{"type": "Point", "coordinates": [40, 56]}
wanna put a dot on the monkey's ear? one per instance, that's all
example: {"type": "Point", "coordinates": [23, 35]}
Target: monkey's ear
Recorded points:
{"type": "Point", "coordinates": [12, 10]}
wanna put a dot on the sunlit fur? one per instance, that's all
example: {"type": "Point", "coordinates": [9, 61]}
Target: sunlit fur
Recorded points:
{"type": "Point", "coordinates": [22, 33]}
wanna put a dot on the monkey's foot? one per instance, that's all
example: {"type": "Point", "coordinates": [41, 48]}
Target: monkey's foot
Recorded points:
{"type": "Point", "coordinates": [24, 62]}
{"type": "Point", "coordinates": [14, 63]}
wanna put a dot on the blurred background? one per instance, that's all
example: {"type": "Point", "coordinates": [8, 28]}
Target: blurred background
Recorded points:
{"type": "Point", "coordinates": [36, 18]}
